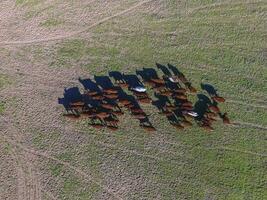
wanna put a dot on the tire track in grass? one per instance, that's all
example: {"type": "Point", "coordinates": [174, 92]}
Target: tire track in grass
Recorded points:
{"type": "Point", "coordinates": [214, 5]}
{"type": "Point", "coordinates": [75, 169]}
{"type": "Point", "coordinates": [22, 42]}
{"type": "Point", "coordinates": [238, 150]}
{"type": "Point", "coordinates": [28, 183]}
{"type": "Point", "coordinates": [250, 125]}
{"type": "Point", "coordinates": [71, 82]}
{"type": "Point", "coordinates": [36, 195]}
{"type": "Point", "coordinates": [49, 195]}
{"type": "Point", "coordinates": [246, 104]}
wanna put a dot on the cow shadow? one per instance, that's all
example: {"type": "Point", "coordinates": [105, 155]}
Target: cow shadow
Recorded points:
{"type": "Point", "coordinates": [209, 89]}
{"type": "Point", "coordinates": [104, 82]}
{"type": "Point", "coordinates": [201, 106]}
{"type": "Point", "coordinates": [161, 101]}
{"type": "Point", "coordinates": [175, 70]}
{"type": "Point", "coordinates": [70, 95]}
{"type": "Point", "coordinates": [147, 74]}
{"type": "Point", "coordinates": [132, 80]}
{"type": "Point", "coordinates": [89, 85]}
{"type": "Point", "coordinates": [164, 69]}
{"type": "Point", "coordinates": [118, 76]}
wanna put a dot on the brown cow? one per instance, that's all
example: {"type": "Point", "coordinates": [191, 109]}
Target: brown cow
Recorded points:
{"type": "Point", "coordinates": [110, 91]}
{"type": "Point", "coordinates": [186, 123]}
{"type": "Point", "coordinates": [98, 97]}
{"type": "Point", "coordinates": [214, 108]}
{"type": "Point", "coordinates": [145, 100]}
{"type": "Point", "coordinates": [137, 110]}
{"type": "Point", "coordinates": [98, 126]}
{"type": "Point", "coordinates": [148, 128]}
{"type": "Point", "coordinates": [139, 115]}
{"type": "Point", "coordinates": [91, 93]}
{"type": "Point", "coordinates": [140, 94]}
{"type": "Point", "coordinates": [218, 99]}
{"type": "Point", "coordinates": [117, 112]}
{"type": "Point", "coordinates": [178, 126]}
{"type": "Point", "coordinates": [102, 115]}
{"type": "Point", "coordinates": [226, 120]}
{"type": "Point", "coordinates": [180, 96]}
{"type": "Point", "coordinates": [186, 107]}
{"type": "Point", "coordinates": [192, 89]}
{"type": "Point", "coordinates": [158, 80]}
{"type": "Point", "coordinates": [180, 90]}
{"type": "Point", "coordinates": [77, 104]}
{"type": "Point", "coordinates": [107, 106]}
{"type": "Point", "coordinates": [187, 103]}
{"type": "Point", "coordinates": [111, 96]}
{"type": "Point", "coordinates": [170, 107]}
{"type": "Point", "coordinates": [124, 102]}
{"type": "Point", "coordinates": [112, 128]}
{"type": "Point", "coordinates": [166, 93]}
{"type": "Point", "coordinates": [123, 85]}
{"type": "Point", "coordinates": [207, 127]}
{"type": "Point", "coordinates": [71, 116]}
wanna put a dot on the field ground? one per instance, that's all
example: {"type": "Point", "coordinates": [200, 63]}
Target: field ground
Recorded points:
{"type": "Point", "coordinates": [46, 46]}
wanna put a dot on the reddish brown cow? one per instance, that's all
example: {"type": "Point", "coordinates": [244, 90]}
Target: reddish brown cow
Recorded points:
{"type": "Point", "coordinates": [124, 102]}
{"type": "Point", "coordinates": [192, 89]}
{"type": "Point", "coordinates": [110, 91]}
{"type": "Point", "coordinates": [117, 112]}
{"type": "Point", "coordinates": [211, 115]}
{"type": "Point", "coordinates": [91, 93]}
{"type": "Point", "coordinates": [140, 94]}
{"type": "Point", "coordinates": [186, 107]}
{"type": "Point", "coordinates": [180, 96]}
{"type": "Point", "coordinates": [111, 96]}
{"type": "Point", "coordinates": [107, 106]}
{"type": "Point", "coordinates": [226, 120]}
{"type": "Point", "coordinates": [98, 126]}
{"type": "Point", "coordinates": [71, 116]}
{"type": "Point", "coordinates": [148, 128]}
{"type": "Point", "coordinates": [77, 104]}
{"type": "Point", "coordinates": [187, 103]}
{"type": "Point", "coordinates": [158, 80]}
{"type": "Point", "coordinates": [112, 128]}
{"type": "Point", "coordinates": [170, 107]}
{"type": "Point", "coordinates": [214, 108]}
{"type": "Point", "coordinates": [218, 99]}
{"type": "Point", "coordinates": [166, 93]}
{"type": "Point", "coordinates": [137, 110]}
{"type": "Point", "coordinates": [183, 79]}
{"type": "Point", "coordinates": [178, 126]}
{"type": "Point", "coordinates": [97, 97]}
{"type": "Point", "coordinates": [102, 115]}
{"type": "Point", "coordinates": [139, 115]}
{"type": "Point", "coordinates": [180, 90]}
{"type": "Point", "coordinates": [207, 127]}
{"type": "Point", "coordinates": [186, 123]}
{"type": "Point", "coordinates": [123, 85]}
{"type": "Point", "coordinates": [145, 100]}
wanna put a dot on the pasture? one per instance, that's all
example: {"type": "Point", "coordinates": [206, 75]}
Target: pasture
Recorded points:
{"type": "Point", "coordinates": [47, 46]}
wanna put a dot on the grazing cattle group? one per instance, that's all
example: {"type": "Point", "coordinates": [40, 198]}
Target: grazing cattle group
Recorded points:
{"type": "Point", "coordinates": [103, 102]}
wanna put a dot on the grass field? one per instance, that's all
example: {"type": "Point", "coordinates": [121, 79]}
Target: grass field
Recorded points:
{"type": "Point", "coordinates": [222, 43]}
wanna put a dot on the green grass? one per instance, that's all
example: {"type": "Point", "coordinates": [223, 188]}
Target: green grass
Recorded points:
{"type": "Point", "coordinates": [41, 139]}
{"type": "Point", "coordinates": [51, 22]}
{"type": "Point", "coordinates": [4, 80]}
{"type": "Point", "coordinates": [27, 2]}
{"type": "Point", "coordinates": [2, 107]}
{"type": "Point", "coordinates": [72, 185]}
{"type": "Point", "coordinates": [224, 45]}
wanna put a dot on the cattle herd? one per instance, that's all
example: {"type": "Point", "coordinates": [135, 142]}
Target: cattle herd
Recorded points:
{"type": "Point", "coordinates": [104, 101]}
